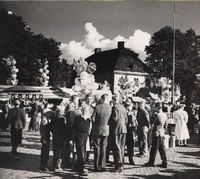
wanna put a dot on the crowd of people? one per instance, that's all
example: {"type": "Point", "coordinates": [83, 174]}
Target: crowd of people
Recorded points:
{"type": "Point", "coordinates": [85, 125]}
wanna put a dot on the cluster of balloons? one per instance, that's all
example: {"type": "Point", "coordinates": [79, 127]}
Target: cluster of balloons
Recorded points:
{"type": "Point", "coordinates": [128, 88]}
{"type": "Point", "coordinates": [44, 73]}
{"type": "Point", "coordinates": [164, 82]}
{"type": "Point", "coordinates": [13, 70]}
{"type": "Point", "coordinates": [85, 81]}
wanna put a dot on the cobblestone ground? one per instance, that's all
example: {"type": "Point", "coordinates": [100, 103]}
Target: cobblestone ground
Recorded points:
{"type": "Point", "coordinates": [183, 162]}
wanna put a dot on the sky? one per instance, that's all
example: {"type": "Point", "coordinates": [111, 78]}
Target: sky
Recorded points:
{"type": "Point", "coordinates": [82, 26]}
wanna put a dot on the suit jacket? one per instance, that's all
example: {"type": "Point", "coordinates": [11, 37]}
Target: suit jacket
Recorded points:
{"type": "Point", "coordinates": [143, 118]}
{"type": "Point", "coordinates": [71, 116]}
{"type": "Point", "coordinates": [16, 117]}
{"type": "Point", "coordinates": [100, 119]}
{"type": "Point", "coordinates": [118, 120]}
{"type": "Point", "coordinates": [159, 123]}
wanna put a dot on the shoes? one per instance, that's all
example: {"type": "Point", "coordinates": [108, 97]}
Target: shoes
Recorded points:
{"type": "Point", "coordinates": [132, 163]}
{"type": "Point", "coordinates": [45, 169]}
{"type": "Point", "coordinates": [103, 169]}
{"type": "Point", "coordinates": [119, 170]}
{"type": "Point", "coordinates": [74, 169]}
{"type": "Point", "coordinates": [138, 154]}
{"type": "Point", "coordinates": [14, 152]}
{"type": "Point", "coordinates": [108, 161]}
{"type": "Point", "coordinates": [97, 170]}
{"type": "Point", "coordinates": [163, 165]}
{"type": "Point", "coordinates": [83, 173]}
{"type": "Point", "coordinates": [149, 165]}
{"type": "Point", "coordinates": [141, 156]}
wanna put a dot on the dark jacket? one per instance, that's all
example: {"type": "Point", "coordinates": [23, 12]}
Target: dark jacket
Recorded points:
{"type": "Point", "coordinates": [45, 124]}
{"type": "Point", "coordinates": [143, 118]}
{"type": "Point", "coordinates": [70, 119]}
{"type": "Point", "coordinates": [100, 119]}
{"type": "Point", "coordinates": [81, 125]}
{"type": "Point", "coordinates": [16, 117]}
{"type": "Point", "coordinates": [118, 120]}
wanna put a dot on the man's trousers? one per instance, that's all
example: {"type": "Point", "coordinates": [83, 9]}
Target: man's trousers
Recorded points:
{"type": "Point", "coordinates": [81, 139]}
{"type": "Point", "coordinates": [119, 141]}
{"type": "Point", "coordinates": [100, 145]}
{"type": "Point", "coordinates": [45, 152]}
{"type": "Point", "coordinates": [142, 139]}
{"type": "Point", "coordinates": [157, 144]}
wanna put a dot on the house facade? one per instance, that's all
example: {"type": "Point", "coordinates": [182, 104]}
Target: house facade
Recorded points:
{"type": "Point", "coordinates": [115, 64]}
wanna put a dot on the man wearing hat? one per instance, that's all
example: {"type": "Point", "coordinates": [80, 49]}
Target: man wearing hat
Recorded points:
{"type": "Point", "coordinates": [16, 117]}
{"type": "Point", "coordinates": [143, 127]}
{"type": "Point", "coordinates": [118, 122]}
{"type": "Point", "coordinates": [158, 136]}
{"type": "Point", "coordinates": [100, 132]}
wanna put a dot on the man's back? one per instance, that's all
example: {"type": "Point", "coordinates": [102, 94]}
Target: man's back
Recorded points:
{"type": "Point", "coordinates": [143, 118]}
{"type": "Point", "coordinates": [160, 121]}
{"type": "Point", "coordinates": [100, 117]}
{"type": "Point", "coordinates": [16, 117]}
{"type": "Point", "coordinates": [118, 119]}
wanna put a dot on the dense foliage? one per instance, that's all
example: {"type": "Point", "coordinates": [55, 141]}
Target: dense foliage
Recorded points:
{"type": "Point", "coordinates": [160, 54]}
{"type": "Point", "coordinates": [17, 39]}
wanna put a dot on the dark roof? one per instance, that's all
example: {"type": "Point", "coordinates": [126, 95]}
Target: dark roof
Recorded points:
{"type": "Point", "coordinates": [21, 89]}
{"type": "Point", "coordinates": [122, 59]}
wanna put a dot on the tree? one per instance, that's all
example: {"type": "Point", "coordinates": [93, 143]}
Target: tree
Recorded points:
{"type": "Point", "coordinates": [17, 39]}
{"type": "Point", "coordinates": [48, 49]}
{"type": "Point", "coordinates": [160, 52]}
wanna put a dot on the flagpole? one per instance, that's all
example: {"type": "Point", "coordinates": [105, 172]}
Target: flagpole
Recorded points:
{"type": "Point", "coordinates": [174, 57]}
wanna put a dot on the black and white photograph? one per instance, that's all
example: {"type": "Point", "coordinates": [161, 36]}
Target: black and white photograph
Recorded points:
{"type": "Point", "coordinates": [100, 89]}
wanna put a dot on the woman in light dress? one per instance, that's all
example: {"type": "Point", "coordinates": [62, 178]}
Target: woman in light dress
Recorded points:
{"type": "Point", "coordinates": [181, 130]}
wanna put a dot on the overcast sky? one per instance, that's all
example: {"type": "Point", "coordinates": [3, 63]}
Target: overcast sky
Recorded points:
{"type": "Point", "coordinates": [83, 26]}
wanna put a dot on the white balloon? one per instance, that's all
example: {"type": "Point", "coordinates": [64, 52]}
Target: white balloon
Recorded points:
{"type": "Point", "coordinates": [16, 70]}
{"type": "Point", "coordinates": [84, 75]}
{"type": "Point", "coordinates": [13, 76]}
{"type": "Point", "coordinates": [44, 75]}
{"type": "Point", "coordinates": [95, 86]}
{"type": "Point", "coordinates": [13, 62]}
{"type": "Point", "coordinates": [41, 70]}
{"type": "Point", "coordinates": [8, 63]}
{"type": "Point", "coordinates": [91, 77]}
{"type": "Point", "coordinates": [46, 83]}
{"type": "Point", "coordinates": [46, 66]}
{"type": "Point", "coordinates": [10, 13]}
{"type": "Point", "coordinates": [77, 81]}
{"type": "Point", "coordinates": [76, 88]}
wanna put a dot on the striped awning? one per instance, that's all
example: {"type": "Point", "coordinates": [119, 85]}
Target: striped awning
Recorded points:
{"type": "Point", "coordinates": [45, 92]}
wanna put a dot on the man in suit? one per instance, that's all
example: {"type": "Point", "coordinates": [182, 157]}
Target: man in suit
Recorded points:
{"type": "Point", "coordinates": [158, 134]}
{"type": "Point", "coordinates": [16, 117]}
{"type": "Point", "coordinates": [143, 126]}
{"type": "Point", "coordinates": [34, 114]}
{"type": "Point", "coordinates": [118, 132]}
{"type": "Point", "coordinates": [58, 123]}
{"type": "Point", "coordinates": [100, 132]}
{"type": "Point", "coordinates": [45, 128]}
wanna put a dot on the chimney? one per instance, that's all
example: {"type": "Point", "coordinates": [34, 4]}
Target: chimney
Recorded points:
{"type": "Point", "coordinates": [97, 50]}
{"type": "Point", "coordinates": [120, 44]}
